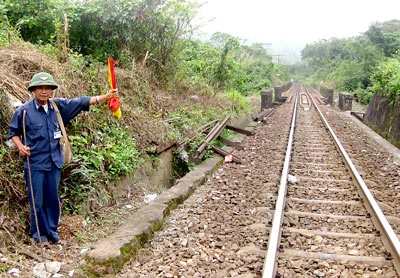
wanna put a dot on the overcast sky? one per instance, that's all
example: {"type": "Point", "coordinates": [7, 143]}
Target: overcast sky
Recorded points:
{"type": "Point", "coordinates": [307, 21]}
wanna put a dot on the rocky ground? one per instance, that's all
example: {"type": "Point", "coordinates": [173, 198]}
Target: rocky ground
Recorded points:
{"type": "Point", "coordinates": [220, 230]}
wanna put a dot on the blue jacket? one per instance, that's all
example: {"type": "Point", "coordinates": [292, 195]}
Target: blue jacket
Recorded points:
{"type": "Point", "coordinates": [41, 128]}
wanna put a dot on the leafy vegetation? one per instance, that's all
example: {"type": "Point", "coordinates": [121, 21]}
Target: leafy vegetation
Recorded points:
{"type": "Point", "coordinates": [386, 79]}
{"type": "Point", "coordinates": [224, 64]}
{"type": "Point", "coordinates": [361, 65]}
{"type": "Point", "coordinates": [170, 84]}
{"type": "Point", "coordinates": [99, 158]}
{"type": "Point", "coordinates": [158, 62]}
{"type": "Point", "coordinates": [151, 40]}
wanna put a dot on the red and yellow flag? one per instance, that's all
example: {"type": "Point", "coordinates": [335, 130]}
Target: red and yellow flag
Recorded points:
{"type": "Point", "coordinates": [113, 103]}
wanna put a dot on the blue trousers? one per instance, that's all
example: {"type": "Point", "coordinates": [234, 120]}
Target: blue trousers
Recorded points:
{"type": "Point", "coordinates": [45, 192]}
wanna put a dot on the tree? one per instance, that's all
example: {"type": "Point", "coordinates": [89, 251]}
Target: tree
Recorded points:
{"type": "Point", "coordinates": [349, 62]}
{"type": "Point", "coordinates": [386, 36]}
{"type": "Point", "coordinates": [197, 62]}
{"type": "Point", "coordinates": [36, 20]}
{"type": "Point", "coordinates": [226, 64]}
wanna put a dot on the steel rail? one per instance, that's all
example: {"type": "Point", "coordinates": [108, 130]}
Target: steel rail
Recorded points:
{"type": "Point", "coordinates": [390, 239]}
{"type": "Point", "coordinates": [269, 268]}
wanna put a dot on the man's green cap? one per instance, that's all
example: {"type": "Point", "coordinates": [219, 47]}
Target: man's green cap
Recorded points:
{"type": "Point", "coordinates": [42, 79]}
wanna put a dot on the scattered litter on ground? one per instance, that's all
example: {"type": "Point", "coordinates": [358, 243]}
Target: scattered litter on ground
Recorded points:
{"type": "Point", "coordinates": [149, 198]}
{"type": "Point", "coordinates": [292, 179]}
{"type": "Point", "coordinates": [14, 272]}
{"type": "Point", "coordinates": [184, 155]}
{"type": "Point", "coordinates": [84, 250]}
{"type": "Point", "coordinates": [228, 158]}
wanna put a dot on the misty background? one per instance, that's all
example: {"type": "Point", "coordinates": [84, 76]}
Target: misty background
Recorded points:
{"type": "Point", "coordinates": [286, 26]}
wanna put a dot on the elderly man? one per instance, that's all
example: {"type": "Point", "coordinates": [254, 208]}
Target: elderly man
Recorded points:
{"type": "Point", "coordinates": [36, 132]}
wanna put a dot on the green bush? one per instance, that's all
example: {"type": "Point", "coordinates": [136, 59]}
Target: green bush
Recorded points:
{"type": "Point", "coordinates": [386, 79]}
{"type": "Point", "coordinates": [362, 95]}
{"type": "Point", "coordinates": [99, 158]}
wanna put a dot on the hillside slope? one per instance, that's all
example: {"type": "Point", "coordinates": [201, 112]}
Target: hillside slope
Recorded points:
{"type": "Point", "coordinates": [151, 115]}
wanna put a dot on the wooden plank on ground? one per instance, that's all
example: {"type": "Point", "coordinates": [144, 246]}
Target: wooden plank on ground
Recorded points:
{"type": "Point", "coordinates": [193, 134]}
{"type": "Point", "coordinates": [262, 114]}
{"type": "Point", "coordinates": [230, 143]}
{"type": "Point", "coordinates": [240, 130]}
{"type": "Point", "coordinates": [225, 153]}
{"type": "Point", "coordinates": [211, 137]}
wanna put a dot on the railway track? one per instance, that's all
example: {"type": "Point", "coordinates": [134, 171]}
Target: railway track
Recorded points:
{"type": "Point", "coordinates": [225, 228]}
{"type": "Point", "coordinates": [326, 222]}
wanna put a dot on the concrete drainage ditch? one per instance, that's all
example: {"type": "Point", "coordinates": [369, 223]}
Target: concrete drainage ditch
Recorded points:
{"type": "Point", "coordinates": [108, 255]}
